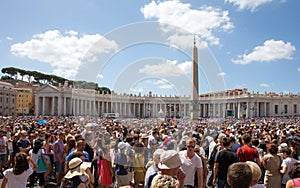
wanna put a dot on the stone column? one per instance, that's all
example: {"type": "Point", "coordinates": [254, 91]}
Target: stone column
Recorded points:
{"type": "Point", "coordinates": [98, 108]}
{"type": "Point", "coordinates": [239, 110]}
{"type": "Point", "coordinates": [86, 112]}
{"type": "Point", "coordinates": [37, 106]}
{"type": "Point", "coordinates": [248, 109]}
{"type": "Point", "coordinates": [126, 109]}
{"type": "Point", "coordinates": [53, 106]}
{"type": "Point", "coordinates": [265, 109]}
{"type": "Point", "coordinates": [60, 101]}
{"type": "Point", "coordinates": [44, 106]}
{"type": "Point", "coordinates": [81, 107]}
{"type": "Point", "coordinates": [257, 109]}
{"type": "Point", "coordinates": [71, 106]}
{"type": "Point", "coordinates": [89, 107]}
{"type": "Point", "coordinates": [65, 106]}
{"type": "Point", "coordinates": [77, 107]}
{"type": "Point", "coordinates": [102, 107]}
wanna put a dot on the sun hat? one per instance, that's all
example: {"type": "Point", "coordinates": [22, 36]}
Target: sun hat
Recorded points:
{"type": "Point", "coordinates": [256, 172]}
{"type": "Point", "coordinates": [169, 159]}
{"type": "Point", "coordinates": [157, 153]}
{"type": "Point", "coordinates": [77, 168]}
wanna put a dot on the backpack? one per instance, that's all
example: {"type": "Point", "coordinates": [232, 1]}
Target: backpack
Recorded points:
{"type": "Point", "coordinates": [211, 160]}
{"type": "Point", "coordinates": [71, 183]}
{"type": "Point", "coordinates": [150, 179]}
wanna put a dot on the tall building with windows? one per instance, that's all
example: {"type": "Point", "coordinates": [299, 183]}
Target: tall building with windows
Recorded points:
{"type": "Point", "coordinates": [24, 101]}
{"type": "Point", "coordinates": [7, 99]}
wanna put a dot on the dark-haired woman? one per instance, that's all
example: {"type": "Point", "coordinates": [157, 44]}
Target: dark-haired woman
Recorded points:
{"type": "Point", "coordinates": [295, 175]}
{"type": "Point", "coordinates": [17, 176]}
{"type": "Point", "coordinates": [37, 154]}
{"type": "Point", "coordinates": [272, 165]}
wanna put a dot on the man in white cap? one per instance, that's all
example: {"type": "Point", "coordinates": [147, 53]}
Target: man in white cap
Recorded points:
{"type": "Point", "coordinates": [170, 164]}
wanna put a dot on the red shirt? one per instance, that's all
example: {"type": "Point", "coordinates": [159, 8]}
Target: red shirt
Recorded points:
{"type": "Point", "coordinates": [247, 153]}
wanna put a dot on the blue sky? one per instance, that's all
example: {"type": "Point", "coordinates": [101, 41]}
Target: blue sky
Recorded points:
{"type": "Point", "coordinates": [140, 46]}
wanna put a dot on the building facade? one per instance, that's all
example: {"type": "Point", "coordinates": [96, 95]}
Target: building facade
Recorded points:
{"type": "Point", "coordinates": [7, 99]}
{"type": "Point", "coordinates": [65, 100]}
{"type": "Point", "coordinates": [24, 101]}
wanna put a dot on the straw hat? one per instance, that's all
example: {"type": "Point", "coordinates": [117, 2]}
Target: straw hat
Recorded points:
{"type": "Point", "coordinates": [169, 159]}
{"type": "Point", "coordinates": [77, 168]}
{"type": "Point", "coordinates": [256, 172]}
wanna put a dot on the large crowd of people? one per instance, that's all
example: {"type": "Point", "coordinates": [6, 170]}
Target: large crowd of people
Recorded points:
{"type": "Point", "coordinates": [152, 153]}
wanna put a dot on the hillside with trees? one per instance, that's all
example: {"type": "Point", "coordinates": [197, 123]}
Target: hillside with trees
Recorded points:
{"type": "Point", "coordinates": [35, 77]}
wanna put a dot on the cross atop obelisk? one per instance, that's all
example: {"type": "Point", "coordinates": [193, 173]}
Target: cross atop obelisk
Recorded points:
{"type": "Point", "coordinates": [195, 83]}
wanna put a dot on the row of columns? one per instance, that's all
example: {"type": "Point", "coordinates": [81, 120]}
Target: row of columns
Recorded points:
{"type": "Point", "coordinates": [59, 105]}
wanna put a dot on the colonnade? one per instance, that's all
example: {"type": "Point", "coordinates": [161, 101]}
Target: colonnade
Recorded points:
{"type": "Point", "coordinates": [55, 105]}
{"type": "Point", "coordinates": [81, 102]}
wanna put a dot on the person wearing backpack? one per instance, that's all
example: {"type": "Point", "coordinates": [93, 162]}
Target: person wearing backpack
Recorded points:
{"type": "Point", "coordinates": [211, 162]}
{"type": "Point", "coordinates": [37, 154]}
{"type": "Point", "coordinates": [153, 169]}
{"type": "Point", "coordinates": [224, 158]}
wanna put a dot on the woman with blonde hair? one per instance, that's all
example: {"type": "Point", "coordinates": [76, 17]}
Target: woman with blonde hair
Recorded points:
{"type": "Point", "coordinates": [165, 181]}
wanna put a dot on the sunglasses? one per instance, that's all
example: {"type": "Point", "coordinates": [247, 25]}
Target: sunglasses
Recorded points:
{"type": "Point", "coordinates": [190, 146]}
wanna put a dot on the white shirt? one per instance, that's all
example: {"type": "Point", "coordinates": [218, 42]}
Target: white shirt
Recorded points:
{"type": "Point", "coordinates": [189, 167]}
{"type": "Point", "coordinates": [211, 148]}
{"type": "Point", "coordinates": [35, 156]}
{"type": "Point", "coordinates": [258, 186]}
{"type": "Point", "coordinates": [288, 163]}
{"type": "Point", "coordinates": [151, 170]}
{"type": "Point", "coordinates": [17, 181]}
{"type": "Point", "coordinates": [152, 140]}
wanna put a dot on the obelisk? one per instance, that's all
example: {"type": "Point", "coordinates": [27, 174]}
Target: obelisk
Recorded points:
{"type": "Point", "coordinates": [195, 84]}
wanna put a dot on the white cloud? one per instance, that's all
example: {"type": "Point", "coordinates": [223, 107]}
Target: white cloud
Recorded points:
{"type": "Point", "coordinates": [298, 69]}
{"type": "Point", "coordinates": [9, 38]}
{"type": "Point", "coordinates": [63, 52]}
{"type": "Point", "coordinates": [221, 74]}
{"type": "Point", "coordinates": [168, 68]}
{"type": "Point", "coordinates": [264, 85]}
{"type": "Point", "coordinates": [248, 4]}
{"type": "Point", "coordinates": [100, 76]}
{"type": "Point", "coordinates": [203, 21]}
{"type": "Point", "coordinates": [136, 90]}
{"type": "Point", "coordinates": [184, 41]}
{"type": "Point", "coordinates": [272, 50]}
{"type": "Point", "coordinates": [243, 85]}
{"type": "Point", "coordinates": [72, 33]}
{"type": "Point", "coordinates": [163, 84]}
